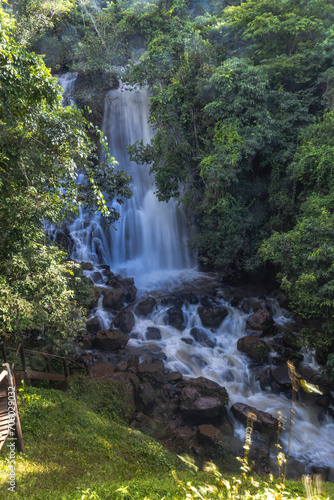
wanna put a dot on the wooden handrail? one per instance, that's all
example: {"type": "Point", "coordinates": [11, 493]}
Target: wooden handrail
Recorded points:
{"type": "Point", "coordinates": [46, 354]}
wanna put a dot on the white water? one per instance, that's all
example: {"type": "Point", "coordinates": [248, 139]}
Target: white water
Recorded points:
{"type": "Point", "coordinates": [312, 441]}
{"type": "Point", "coordinates": [150, 245]}
{"type": "Point", "coordinates": [151, 237]}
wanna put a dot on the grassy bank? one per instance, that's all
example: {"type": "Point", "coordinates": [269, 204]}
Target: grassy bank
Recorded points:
{"type": "Point", "coordinates": [79, 446]}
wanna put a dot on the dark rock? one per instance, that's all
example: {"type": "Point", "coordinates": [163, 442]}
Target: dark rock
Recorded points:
{"type": "Point", "coordinates": [151, 372]}
{"type": "Point", "coordinates": [93, 325]}
{"type": "Point", "coordinates": [111, 340]}
{"type": "Point", "coordinates": [121, 367]}
{"type": "Point", "coordinates": [86, 266]}
{"type": "Point", "coordinates": [152, 333]}
{"type": "Point", "coordinates": [113, 299]}
{"type": "Point", "coordinates": [145, 307]}
{"type": "Point", "coordinates": [203, 399]}
{"type": "Point", "coordinates": [125, 320]}
{"type": "Point", "coordinates": [261, 320]}
{"type": "Point", "coordinates": [321, 471]}
{"type": "Point", "coordinates": [175, 318]}
{"type": "Point", "coordinates": [101, 369]}
{"type": "Point", "coordinates": [146, 394]}
{"type": "Point", "coordinates": [95, 297]}
{"type": "Point", "coordinates": [63, 240]}
{"type": "Point", "coordinates": [174, 377]}
{"type": "Point", "coordinates": [201, 337]}
{"type": "Point", "coordinates": [88, 341]}
{"type": "Point", "coordinates": [281, 375]}
{"type": "Point", "coordinates": [291, 341]}
{"type": "Point", "coordinates": [130, 293]}
{"type": "Point", "coordinates": [86, 359]}
{"type": "Point", "coordinates": [133, 360]}
{"type": "Point", "coordinates": [246, 307]}
{"type": "Point", "coordinates": [96, 277]}
{"type": "Point", "coordinates": [208, 435]}
{"type": "Point", "coordinates": [265, 379]}
{"type": "Point", "coordinates": [187, 341]}
{"type": "Point", "coordinates": [212, 316]}
{"type": "Point", "coordinates": [263, 422]}
{"type": "Point", "coordinates": [127, 281]}
{"type": "Point", "coordinates": [254, 347]}
{"type": "Point", "coordinates": [280, 296]}
{"type": "Point", "coordinates": [226, 426]}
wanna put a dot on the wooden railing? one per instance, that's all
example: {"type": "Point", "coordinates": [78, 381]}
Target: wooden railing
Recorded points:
{"type": "Point", "coordinates": [68, 364]}
{"type": "Point", "coordinates": [9, 414]}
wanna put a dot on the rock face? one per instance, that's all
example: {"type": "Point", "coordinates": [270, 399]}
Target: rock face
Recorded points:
{"type": "Point", "coordinates": [263, 422]}
{"type": "Point", "coordinates": [203, 399]}
{"type": "Point", "coordinates": [201, 337]}
{"type": "Point", "coordinates": [111, 340]}
{"type": "Point", "coordinates": [209, 435]}
{"type": "Point", "coordinates": [151, 372]}
{"type": "Point", "coordinates": [113, 299]}
{"type": "Point", "coordinates": [261, 320]}
{"type": "Point", "coordinates": [125, 321]}
{"type": "Point", "coordinates": [212, 316]}
{"type": "Point", "coordinates": [152, 333]}
{"type": "Point", "coordinates": [175, 318]}
{"type": "Point", "coordinates": [145, 307]}
{"type": "Point", "coordinates": [93, 325]}
{"type": "Point", "coordinates": [254, 347]}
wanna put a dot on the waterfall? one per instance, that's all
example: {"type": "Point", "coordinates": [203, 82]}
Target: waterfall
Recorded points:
{"type": "Point", "coordinates": [151, 236]}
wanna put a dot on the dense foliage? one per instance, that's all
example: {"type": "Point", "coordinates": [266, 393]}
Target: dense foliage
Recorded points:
{"type": "Point", "coordinates": [241, 102]}
{"type": "Point", "coordinates": [42, 147]}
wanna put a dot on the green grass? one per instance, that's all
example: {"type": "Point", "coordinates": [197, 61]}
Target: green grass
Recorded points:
{"type": "Point", "coordinates": [73, 445]}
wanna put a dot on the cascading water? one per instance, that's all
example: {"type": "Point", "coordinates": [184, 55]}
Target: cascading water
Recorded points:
{"type": "Point", "coordinates": [216, 357]}
{"type": "Point", "coordinates": [151, 236]}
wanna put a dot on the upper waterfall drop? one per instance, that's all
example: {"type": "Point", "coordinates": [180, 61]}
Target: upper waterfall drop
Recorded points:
{"type": "Point", "coordinates": [152, 235]}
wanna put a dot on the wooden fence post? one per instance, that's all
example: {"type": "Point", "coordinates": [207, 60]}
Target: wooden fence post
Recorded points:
{"type": "Point", "coordinates": [11, 383]}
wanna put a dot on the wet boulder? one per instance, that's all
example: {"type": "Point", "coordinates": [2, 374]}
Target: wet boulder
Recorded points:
{"type": "Point", "coordinates": [125, 320]}
{"type": "Point", "coordinates": [130, 293]}
{"type": "Point", "coordinates": [281, 375]}
{"type": "Point", "coordinates": [261, 320]}
{"type": "Point", "coordinates": [254, 347]}
{"type": "Point", "coordinates": [212, 316]}
{"type": "Point", "coordinates": [62, 239]}
{"type": "Point", "coordinates": [151, 372]}
{"type": "Point", "coordinates": [262, 421]}
{"type": "Point", "coordinates": [113, 299]}
{"type": "Point", "coordinates": [111, 340]}
{"type": "Point", "coordinates": [208, 435]}
{"type": "Point", "coordinates": [86, 266]}
{"type": "Point", "coordinates": [201, 337]}
{"type": "Point", "coordinates": [88, 341]}
{"type": "Point", "coordinates": [203, 399]}
{"type": "Point", "coordinates": [175, 318]}
{"type": "Point", "coordinates": [152, 333]}
{"type": "Point", "coordinates": [93, 325]}
{"type": "Point", "coordinates": [145, 307]}
{"type": "Point", "coordinates": [96, 277]}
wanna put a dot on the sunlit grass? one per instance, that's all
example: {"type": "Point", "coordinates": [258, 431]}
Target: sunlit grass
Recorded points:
{"type": "Point", "coordinates": [74, 453]}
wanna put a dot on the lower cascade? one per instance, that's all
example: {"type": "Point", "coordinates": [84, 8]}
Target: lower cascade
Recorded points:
{"type": "Point", "coordinates": [185, 318]}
